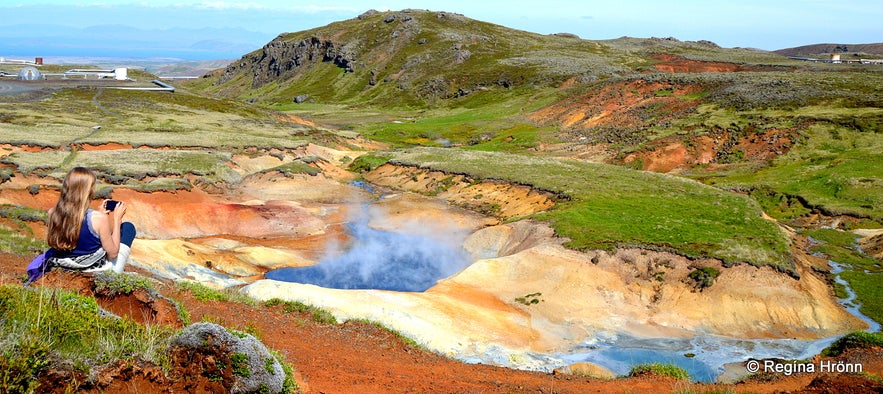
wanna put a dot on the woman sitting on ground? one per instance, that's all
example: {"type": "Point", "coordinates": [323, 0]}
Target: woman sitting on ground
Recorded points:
{"type": "Point", "coordinates": [84, 239]}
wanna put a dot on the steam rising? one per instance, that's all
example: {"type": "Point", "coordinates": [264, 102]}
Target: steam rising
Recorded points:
{"type": "Point", "coordinates": [412, 258]}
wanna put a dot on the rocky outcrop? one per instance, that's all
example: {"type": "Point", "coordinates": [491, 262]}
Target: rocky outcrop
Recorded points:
{"type": "Point", "coordinates": [282, 58]}
{"type": "Point", "coordinates": [500, 199]}
{"type": "Point", "coordinates": [872, 243]}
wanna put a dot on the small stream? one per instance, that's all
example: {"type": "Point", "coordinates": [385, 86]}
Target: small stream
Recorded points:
{"type": "Point", "coordinates": [849, 302]}
{"type": "Point", "coordinates": [704, 357]}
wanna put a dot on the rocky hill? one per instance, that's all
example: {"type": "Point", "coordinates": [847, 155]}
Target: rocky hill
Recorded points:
{"type": "Point", "coordinates": [825, 49]}
{"type": "Point", "coordinates": [416, 57]}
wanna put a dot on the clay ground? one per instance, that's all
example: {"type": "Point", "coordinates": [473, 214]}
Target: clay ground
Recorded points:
{"type": "Point", "coordinates": [357, 357]}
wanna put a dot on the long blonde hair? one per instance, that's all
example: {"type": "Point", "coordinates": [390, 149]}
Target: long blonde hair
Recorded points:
{"type": "Point", "coordinates": [66, 218]}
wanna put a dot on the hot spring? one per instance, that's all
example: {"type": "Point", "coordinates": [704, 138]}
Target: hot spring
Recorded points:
{"type": "Point", "coordinates": [382, 260]}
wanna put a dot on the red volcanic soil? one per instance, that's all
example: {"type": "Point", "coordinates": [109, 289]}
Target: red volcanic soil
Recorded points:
{"type": "Point", "coordinates": [357, 357]}
{"type": "Point", "coordinates": [623, 104]}
{"type": "Point", "coordinates": [672, 153]}
{"type": "Point", "coordinates": [105, 146]}
{"type": "Point", "coordinates": [677, 64]}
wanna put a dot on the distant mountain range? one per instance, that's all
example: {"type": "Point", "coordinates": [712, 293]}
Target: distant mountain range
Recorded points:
{"type": "Point", "coordinates": [824, 49]}
{"type": "Point", "coordinates": [118, 41]}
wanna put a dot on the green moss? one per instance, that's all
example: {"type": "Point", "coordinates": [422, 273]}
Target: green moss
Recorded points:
{"type": "Point", "coordinates": [835, 169]}
{"type": "Point", "coordinates": [779, 205]}
{"type": "Point", "coordinates": [239, 362]}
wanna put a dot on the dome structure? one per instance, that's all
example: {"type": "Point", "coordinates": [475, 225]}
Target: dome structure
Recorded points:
{"type": "Point", "coordinates": [29, 74]}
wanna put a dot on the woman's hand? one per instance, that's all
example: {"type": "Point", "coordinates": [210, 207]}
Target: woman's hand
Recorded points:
{"type": "Point", "coordinates": [119, 211]}
{"type": "Point", "coordinates": [104, 207]}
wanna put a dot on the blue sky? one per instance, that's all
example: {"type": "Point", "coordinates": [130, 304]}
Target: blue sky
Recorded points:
{"type": "Point", "coordinates": [227, 29]}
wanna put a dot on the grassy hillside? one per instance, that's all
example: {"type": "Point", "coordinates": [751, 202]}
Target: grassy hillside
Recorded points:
{"type": "Point", "coordinates": [424, 78]}
{"type": "Point", "coordinates": [609, 206]}
{"type": "Point", "coordinates": [416, 58]}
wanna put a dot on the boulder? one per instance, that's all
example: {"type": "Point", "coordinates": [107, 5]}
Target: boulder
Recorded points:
{"type": "Point", "coordinates": [241, 361]}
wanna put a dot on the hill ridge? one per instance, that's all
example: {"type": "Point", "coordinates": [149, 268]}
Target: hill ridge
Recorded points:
{"type": "Point", "coordinates": [829, 48]}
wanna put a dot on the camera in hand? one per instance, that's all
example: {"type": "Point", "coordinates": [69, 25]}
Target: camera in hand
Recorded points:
{"type": "Point", "coordinates": [110, 205]}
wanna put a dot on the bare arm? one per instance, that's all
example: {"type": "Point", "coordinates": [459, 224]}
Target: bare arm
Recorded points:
{"type": "Point", "coordinates": [107, 224]}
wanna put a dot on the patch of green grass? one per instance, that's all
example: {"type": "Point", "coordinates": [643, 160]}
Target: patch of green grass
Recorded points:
{"type": "Point", "coordinates": [604, 206]}
{"type": "Point", "coordinates": [843, 239]}
{"type": "Point", "coordinates": [13, 241]}
{"type": "Point", "coordinates": [835, 168]}
{"type": "Point", "coordinates": [295, 167]}
{"type": "Point", "coordinates": [778, 205]}
{"type": "Point", "coordinates": [406, 340]}
{"type": "Point", "coordinates": [288, 385]}
{"type": "Point", "coordinates": [319, 315]}
{"type": "Point", "coordinates": [854, 340]}
{"type": "Point", "coordinates": [368, 162]}
{"type": "Point", "coordinates": [28, 162]}
{"type": "Point", "coordinates": [36, 320]}
{"type": "Point", "coordinates": [862, 272]}
{"type": "Point", "coordinates": [669, 370]}
{"type": "Point", "coordinates": [21, 215]}
{"type": "Point", "coordinates": [20, 363]}
{"type": "Point", "coordinates": [867, 290]}
{"type": "Point", "coordinates": [135, 163]}
{"type": "Point", "coordinates": [204, 293]}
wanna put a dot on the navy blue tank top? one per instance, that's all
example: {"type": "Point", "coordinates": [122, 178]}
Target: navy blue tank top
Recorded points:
{"type": "Point", "coordinates": [88, 242]}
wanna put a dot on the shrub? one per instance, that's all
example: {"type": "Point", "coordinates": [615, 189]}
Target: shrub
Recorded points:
{"type": "Point", "coordinates": [704, 277]}
{"type": "Point", "coordinates": [660, 369]}
{"type": "Point", "coordinates": [19, 364]}
{"type": "Point", "coordinates": [111, 283]}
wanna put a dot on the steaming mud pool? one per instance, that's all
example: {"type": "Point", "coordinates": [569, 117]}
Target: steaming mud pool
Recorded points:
{"type": "Point", "coordinates": [381, 260]}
